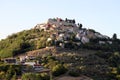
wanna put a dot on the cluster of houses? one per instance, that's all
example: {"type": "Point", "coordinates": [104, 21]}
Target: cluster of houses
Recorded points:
{"type": "Point", "coordinates": [64, 29]}
{"type": "Point", "coordinates": [35, 65]}
{"type": "Point", "coordinates": [57, 23]}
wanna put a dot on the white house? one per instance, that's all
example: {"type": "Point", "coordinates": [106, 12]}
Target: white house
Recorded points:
{"type": "Point", "coordinates": [61, 35]}
{"type": "Point", "coordinates": [84, 40]}
{"type": "Point", "coordinates": [29, 63]}
{"type": "Point", "coordinates": [110, 42]}
{"type": "Point", "coordinates": [49, 39]}
{"type": "Point", "coordinates": [62, 45]}
{"type": "Point", "coordinates": [102, 42]}
{"type": "Point", "coordinates": [41, 26]}
{"type": "Point", "coordinates": [22, 58]}
{"type": "Point", "coordinates": [78, 36]}
{"type": "Point", "coordinates": [37, 67]}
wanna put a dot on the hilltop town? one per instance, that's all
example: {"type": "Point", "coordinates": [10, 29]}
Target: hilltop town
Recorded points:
{"type": "Point", "coordinates": [65, 30]}
{"type": "Point", "coordinates": [58, 50]}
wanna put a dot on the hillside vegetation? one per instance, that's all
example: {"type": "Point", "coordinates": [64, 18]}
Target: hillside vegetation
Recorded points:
{"type": "Point", "coordinates": [23, 41]}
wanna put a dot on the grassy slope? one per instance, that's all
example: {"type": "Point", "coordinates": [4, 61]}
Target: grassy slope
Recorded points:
{"type": "Point", "coordinates": [23, 41]}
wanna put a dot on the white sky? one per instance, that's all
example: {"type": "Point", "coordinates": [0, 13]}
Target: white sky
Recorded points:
{"type": "Point", "coordinates": [101, 15]}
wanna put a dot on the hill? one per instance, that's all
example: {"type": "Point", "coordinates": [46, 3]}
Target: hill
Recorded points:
{"type": "Point", "coordinates": [65, 46]}
{"type": "Point", "coordinates": [56, 32]}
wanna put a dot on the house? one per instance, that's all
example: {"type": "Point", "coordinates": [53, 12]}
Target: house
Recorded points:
{"type": "Point", "coordinates": [84, 40]}
{"type": "Point", "coordinates": [62, 45]}
{"type": "Point", "coordinates": [40, 26]}
{"type": "Point", "coordinates": [98, 35]}
{"type": "Point", "coordinates": [60, 38]}
{"type": "Point", "coordinates": [11, 60]}
{"type": "Point", "coordinates": [29, 63]}
{"type": "Point", "coordinates": [41, 69]}
{"type": "Point", "coordinates": [70, 21]}
{"type": "Point", "coordinates": [110, 42]}
{"type": "Point", "coordinates": [61, 35]}
{"type": "Point", "coordinates": [102, 42]}
{"type": "Point", "coordinates": [37, 67]}
{"type": "Point", "coordinates": [90, 34]}
{"type": "Point", "coordinates": [23, 58]}
{"type": "Point", "coordinates": [49, 39]}
{"type": "Point", "coordinates": [31, 57]}
{"type": "Point", "coordinates": [106, 37]}
{"type": "Point", "coordinates": [78, 36]}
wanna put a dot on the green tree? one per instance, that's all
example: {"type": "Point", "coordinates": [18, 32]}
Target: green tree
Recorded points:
{"type": "Point", "coordinates": [58, 70]}
{"type": "Point", "coordinates": [114, 59]}
{"type": "Point", "coordinates": [2, 75]}
{"type": "Point", "coordinates": [44, 76]}
{"type": "Point", "coordinates": [79, 26]}
{"type": "Point", "coordinates": [14, 77]}
{"type": "Point", "coordinates": [114, 36]}
{"type": "Point", "coordinates": [10, 73]}
{"type": "Point", "coordinates": [74, 72]}
{"type": "Point", "coordinates": [74, 21]}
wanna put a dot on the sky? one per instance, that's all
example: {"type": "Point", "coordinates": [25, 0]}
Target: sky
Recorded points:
{"type": "Point", "coordinates": [100, 15]}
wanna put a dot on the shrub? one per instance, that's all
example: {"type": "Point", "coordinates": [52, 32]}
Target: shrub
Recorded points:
{"type": "Point", "coordinates": [59, 69]}
{"type": "Point", "coordinates": [118, 76]}
{"type": "Point", "coordinates": [2, 75]}
{"type": "Point", "coordinates": [45, 76]}
{"type": "Point", "coordinates": [74, 72]}
{"type": "Point", "coordinates": [31, 76]}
